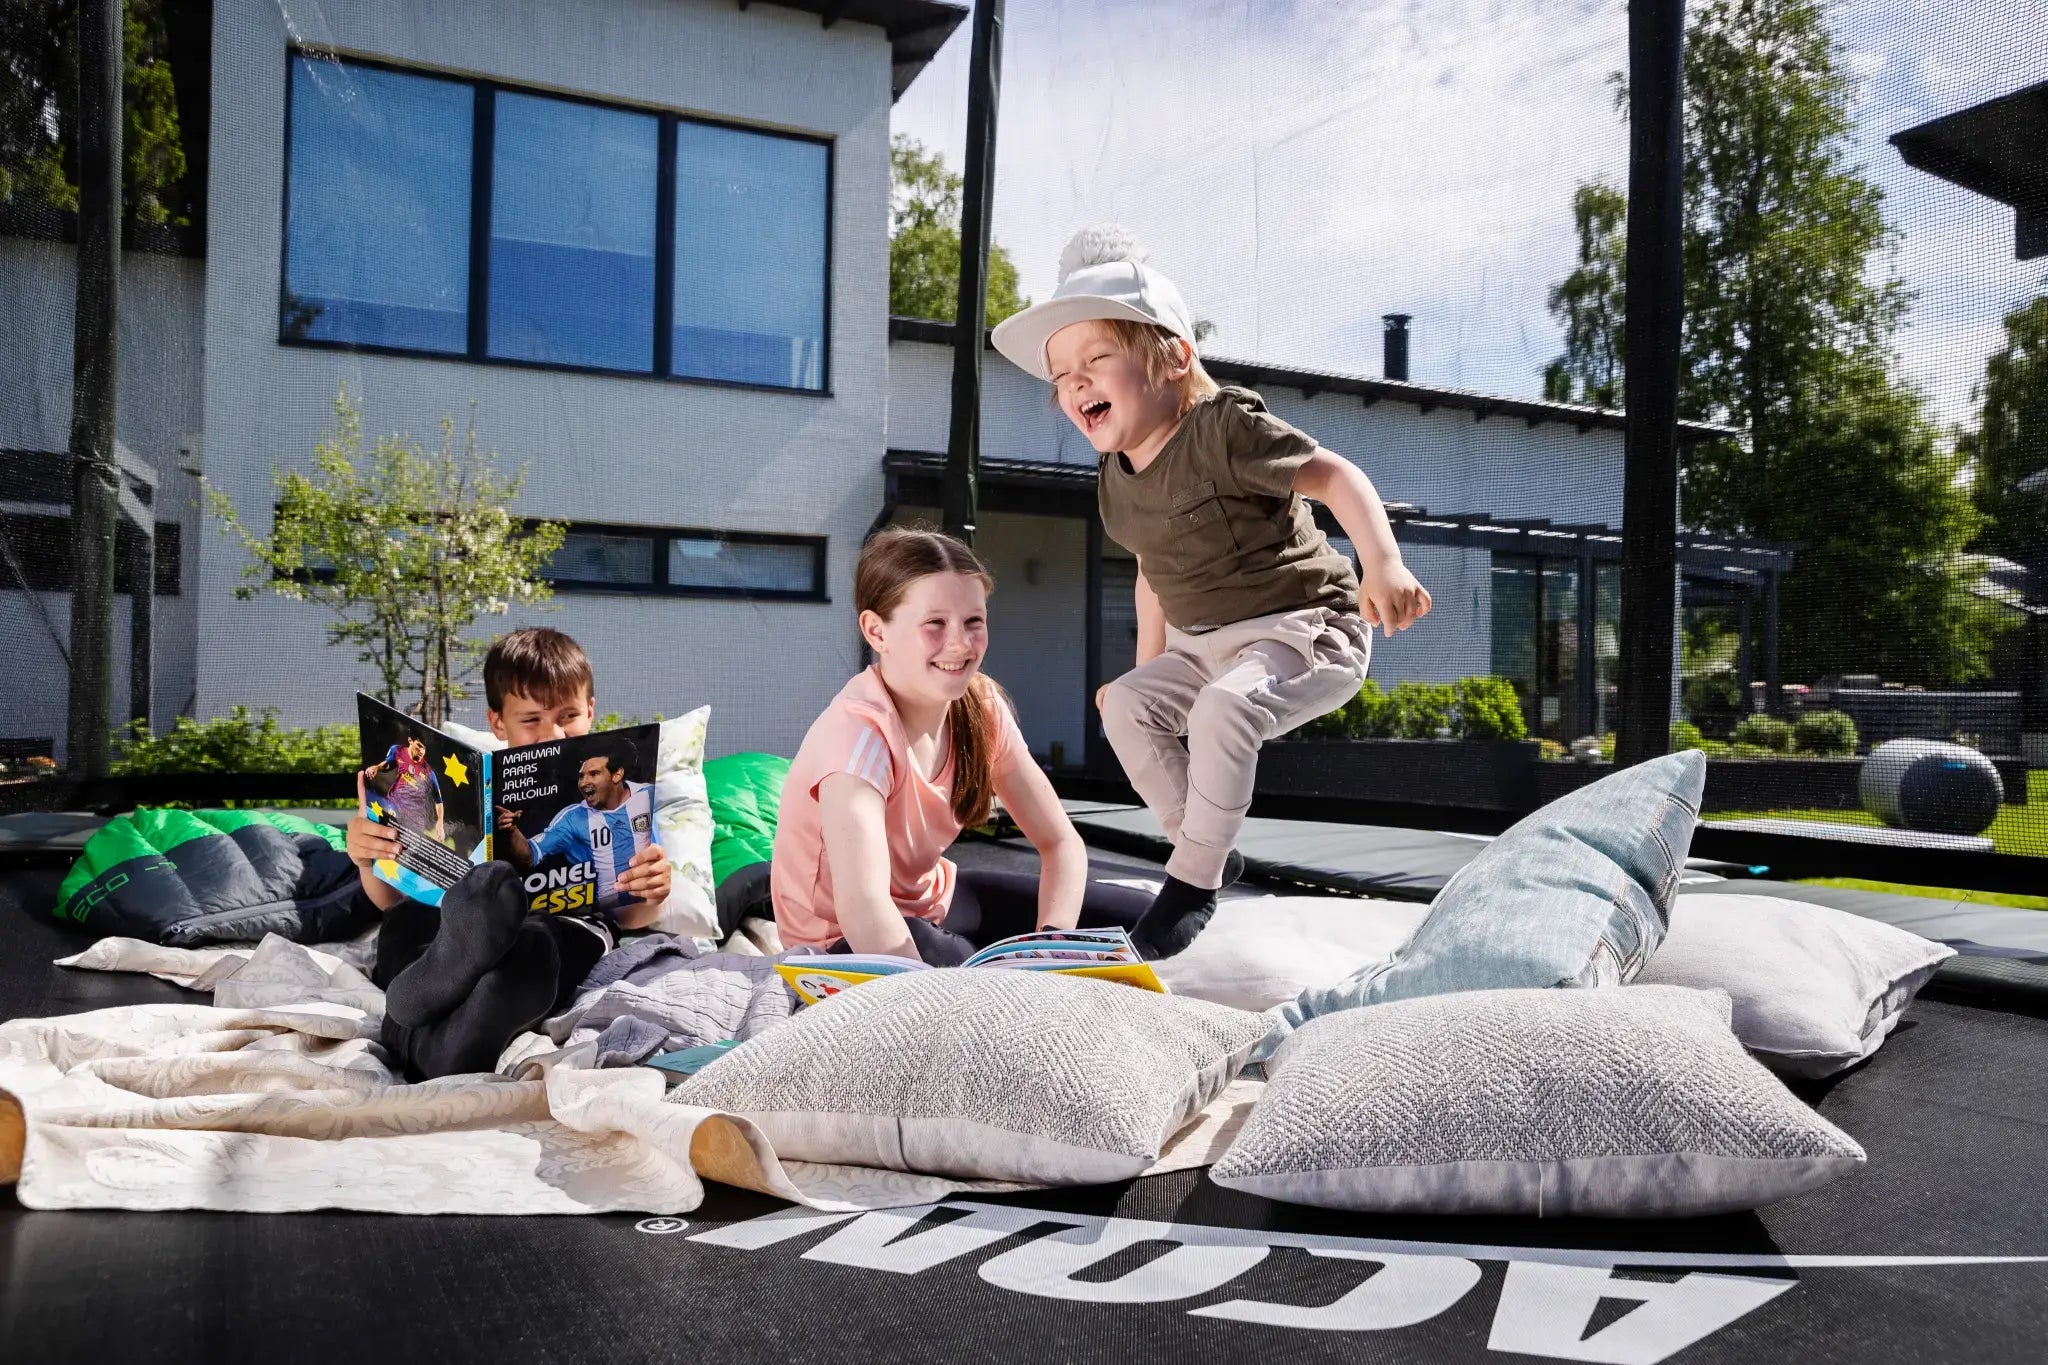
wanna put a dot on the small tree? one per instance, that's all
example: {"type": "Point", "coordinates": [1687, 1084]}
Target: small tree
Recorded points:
{"type": "Point", "coordinates": [1591, 302]}
{"type": "Point", "coordinates": [406, 555]}
{"type": "Point", "coordinates": [924, 241]}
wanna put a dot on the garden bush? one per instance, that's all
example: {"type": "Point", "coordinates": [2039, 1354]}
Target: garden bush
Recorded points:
{"type": "Point", "coordinates": [1421, 710]}
{"type": "Point", "coordinates": [1486, 708]}
{"type": "Point", "coordinates": [1479, 708]}
{"type": "Point", "coordinates": [1686, 735]}
{"type": "Point", "coordinates": [1763, 732]}
{"type": "Point", "coordinates": [239, 742]}
{"type": "Point", "coordinates": [1829, 734]}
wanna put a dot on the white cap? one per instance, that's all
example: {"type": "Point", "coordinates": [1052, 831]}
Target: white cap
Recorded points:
{"type": "Point", "coordinates": [1102, 275]}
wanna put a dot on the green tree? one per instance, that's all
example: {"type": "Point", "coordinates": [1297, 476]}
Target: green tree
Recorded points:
{"type": "Point", "coordinates": [1590, 302]}
{"type": "Point", "coordinates": [406, 555]}
{"type": "Point", "coordinates": [2008, 451]}
{"type": "Point", "coordinates": [924, 241]}
{"type": "Point", "coordinates": [38, 113]}
{"type": "Point", "coordinates": [1791, 306]}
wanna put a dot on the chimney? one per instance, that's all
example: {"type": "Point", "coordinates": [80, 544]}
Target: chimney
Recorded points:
{"type": "Point", "coordinates": [1396, 366]}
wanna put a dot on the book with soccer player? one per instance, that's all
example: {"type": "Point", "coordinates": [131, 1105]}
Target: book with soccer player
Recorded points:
{"type": "Point", "coordinates": [1105, 954]}
{"type": "Point", "coordinates": [569, 814]}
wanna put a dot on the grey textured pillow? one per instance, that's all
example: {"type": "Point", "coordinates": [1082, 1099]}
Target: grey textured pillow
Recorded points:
{"type": "Point", "coordinates": [1576, 894]}
{"type": "Point", "coordinates": [1609, 1103]}
{"type": "Point", "coordinates": [1814, 989]}
{"type": "Point", "coordinates": [1003, 1075]}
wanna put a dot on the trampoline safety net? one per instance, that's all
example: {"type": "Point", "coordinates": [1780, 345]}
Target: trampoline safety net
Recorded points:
{"type": "Point", "coordinates": [635, 318]}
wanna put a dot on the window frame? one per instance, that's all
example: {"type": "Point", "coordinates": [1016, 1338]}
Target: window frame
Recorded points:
{"type": "Point", "coordinates": [483, 132]}
{"type": "Point", "coordinates": [658, 585]}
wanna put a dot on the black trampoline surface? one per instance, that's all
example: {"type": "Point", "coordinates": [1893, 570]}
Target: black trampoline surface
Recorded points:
{"type": "Point", "coordinates": [1953, 1112]}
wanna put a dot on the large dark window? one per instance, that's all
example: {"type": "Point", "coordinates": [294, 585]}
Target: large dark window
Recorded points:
{"type": "Point", "coordinates": [1561, 653]}
{"type": "Point", "coordinates": [573, 190]}
{"type": "Point", "coordinates": [40, 543]}
{"type": "Point", "coordinates": [689, 563]}
{"type": "Point", "coordinates": [444, 217]}
{"type": "Point", "coordinates": [377, 250]}
{"type": "Point", "coordinates": [750, 251]}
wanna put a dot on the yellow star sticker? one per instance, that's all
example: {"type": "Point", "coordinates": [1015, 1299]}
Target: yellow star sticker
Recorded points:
{"type": "Point", "coordinates": [457, 772]}
{"type": "Point", "coordinates": [388, 866]}
{"type": "Point", "coordinates": [376, 811]}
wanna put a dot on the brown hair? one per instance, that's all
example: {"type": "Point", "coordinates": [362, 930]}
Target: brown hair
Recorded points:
{"type": "Point", "coordinates": [1158, 350]}
{"type": "Point", "coordinates": [890, 562]}
{"type": "Point", "coordinates": [539, 662]}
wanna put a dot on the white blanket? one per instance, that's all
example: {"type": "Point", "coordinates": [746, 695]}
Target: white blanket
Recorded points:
{"type": "Point", "coordinates": [278, 1098]}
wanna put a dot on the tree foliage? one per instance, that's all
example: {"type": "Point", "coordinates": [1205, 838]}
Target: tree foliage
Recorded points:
{"type": "Point", "coordinates": [405, 554]}
{"type": "Point", "coordinates": [2008, 450]}
{"type": "Point", "coordinates": [924, 241]}
{"type": "Point", "coordinates": [1590, 302]}
{"type": "Point", "coordinates": [39, 114]}
{"type": "Point", "coordinates": [1791, 307]}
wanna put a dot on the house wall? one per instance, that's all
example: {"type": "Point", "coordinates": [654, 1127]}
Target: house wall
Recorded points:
{"type": "Point", "coordinates": [594, 447]}
{"type": "Point", "coordinates": [158, 380]}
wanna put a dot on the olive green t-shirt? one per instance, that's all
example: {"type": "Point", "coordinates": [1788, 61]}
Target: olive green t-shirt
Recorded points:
{"type": "Point", "coordinates": [1214, 520]}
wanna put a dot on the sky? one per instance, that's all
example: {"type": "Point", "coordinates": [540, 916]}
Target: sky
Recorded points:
{"type": "Point", "coordinates": [1300, 167]}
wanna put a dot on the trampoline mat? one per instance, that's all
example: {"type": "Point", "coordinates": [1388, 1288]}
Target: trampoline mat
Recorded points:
{"type": "Point", "coordinates": [1953, 1112]}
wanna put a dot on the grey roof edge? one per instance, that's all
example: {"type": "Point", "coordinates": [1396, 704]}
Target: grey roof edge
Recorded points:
{"type": "Point", "coordinates": [917, 29]}
{"type": "Point", "coordinates": [1426, 397]}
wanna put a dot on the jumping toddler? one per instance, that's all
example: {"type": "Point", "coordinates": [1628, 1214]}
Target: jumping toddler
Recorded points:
{"type": "Point", "coordinates": [1249, 622]}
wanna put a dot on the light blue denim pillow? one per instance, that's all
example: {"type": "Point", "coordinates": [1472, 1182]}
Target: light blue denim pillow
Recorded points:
{"type": "Point", "coordinates": [1577, 894]}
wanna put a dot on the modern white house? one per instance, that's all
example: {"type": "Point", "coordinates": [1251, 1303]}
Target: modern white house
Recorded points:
{"type": "Point", "coordinates": [642, 245]}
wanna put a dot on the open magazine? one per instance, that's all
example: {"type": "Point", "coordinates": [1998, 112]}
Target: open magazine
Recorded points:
{"type": "Point", "coordinates": [1106, 954]}
{"type": "Point", "coordinates": [569, 814]}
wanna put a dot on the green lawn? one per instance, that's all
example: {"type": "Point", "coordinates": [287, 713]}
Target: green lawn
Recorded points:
{"type": "Point", "coordinates": [1941, 893]}
{"type": "Point", "coordinates": [2018, 829]}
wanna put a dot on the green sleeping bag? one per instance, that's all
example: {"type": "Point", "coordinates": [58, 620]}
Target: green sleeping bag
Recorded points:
{"type": "Point", "coordinates": [192, 877]}
{"type": "Point", "coordinates": [745, 792]}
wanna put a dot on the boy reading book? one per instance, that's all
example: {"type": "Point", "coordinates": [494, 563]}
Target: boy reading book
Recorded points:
{"type": "Point", "coordinates": [463, 978]}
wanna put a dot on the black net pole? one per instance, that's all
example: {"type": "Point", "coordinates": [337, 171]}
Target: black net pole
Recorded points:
{"type": "Point", "coordinates": [93, 461]}
{"type": "Point", "coordinates": [1656, 307]}
{"type": "Point", "coordinates": [961, 507]}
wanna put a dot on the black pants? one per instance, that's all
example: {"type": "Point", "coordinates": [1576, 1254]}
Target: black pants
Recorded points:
{"type": "Point", "coordinates": [549, 960]}
{"type": "Point", "coordinates": [990, 906]}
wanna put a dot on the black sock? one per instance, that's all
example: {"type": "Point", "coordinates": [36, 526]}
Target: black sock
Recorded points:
{"type": "Point", "coordinates": [1178, 913]}
{"type": "Point", "coordinates": [1233, 868]}
{"type": "Point", "coordinates": [479, 917]}
{"type": "Point", "coordinates": [513, 996]}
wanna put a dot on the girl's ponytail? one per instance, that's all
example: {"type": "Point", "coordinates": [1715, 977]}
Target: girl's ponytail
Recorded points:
{"type": "Point", "coordinates": [977, 729]}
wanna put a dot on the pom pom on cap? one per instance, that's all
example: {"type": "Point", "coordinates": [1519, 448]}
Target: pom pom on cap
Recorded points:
{"type": "Point", "coordinates": [1100, 245]}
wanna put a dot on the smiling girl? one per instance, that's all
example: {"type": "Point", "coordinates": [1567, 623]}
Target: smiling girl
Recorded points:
{"type": "Point", "coordinates": [908, 754]}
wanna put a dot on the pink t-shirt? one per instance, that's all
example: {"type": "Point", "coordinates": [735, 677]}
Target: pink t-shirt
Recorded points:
{"type": "Point", "coordinates": [860, 733]}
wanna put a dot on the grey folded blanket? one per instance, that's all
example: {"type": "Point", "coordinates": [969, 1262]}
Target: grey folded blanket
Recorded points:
{"type": "Point", "coordinates": [657, 994]}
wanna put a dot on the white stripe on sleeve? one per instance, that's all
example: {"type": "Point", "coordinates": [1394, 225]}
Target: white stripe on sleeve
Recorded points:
{"type": "Point", "coordinates": [870, 761]}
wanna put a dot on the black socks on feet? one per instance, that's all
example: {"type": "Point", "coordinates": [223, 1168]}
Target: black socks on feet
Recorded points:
{"type": "Point", "coordinates": [480, 916]}
{"type": "Point", "coordinates": [1179, 913]}
{"type": "Point", "coordinates": [514, 995]}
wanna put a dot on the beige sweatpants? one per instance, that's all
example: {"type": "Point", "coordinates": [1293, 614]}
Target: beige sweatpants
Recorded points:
{"type": "Point", "coordinates": [1227, 691]}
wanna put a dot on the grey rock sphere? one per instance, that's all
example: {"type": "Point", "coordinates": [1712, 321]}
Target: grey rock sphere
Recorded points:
{"type": "Point", "coordinates": [1928, 785]}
